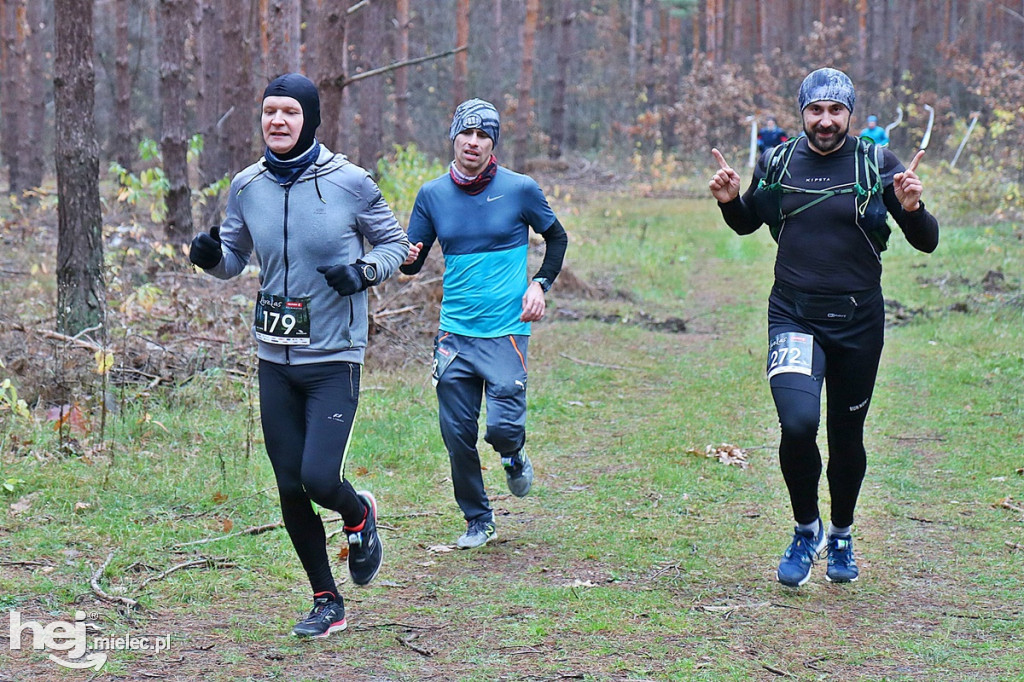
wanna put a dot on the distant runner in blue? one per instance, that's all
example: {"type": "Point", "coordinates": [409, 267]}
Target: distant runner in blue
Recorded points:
{"type": "Point", "coordinates": [875, 132]}
{"type": "Point", "coordinates": [770, 136]}
{"type": "Point", "coordinates": [482, 213]}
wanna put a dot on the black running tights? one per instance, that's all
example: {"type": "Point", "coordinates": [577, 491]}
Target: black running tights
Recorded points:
{"type": "Point", "coordinates": [307, 413]}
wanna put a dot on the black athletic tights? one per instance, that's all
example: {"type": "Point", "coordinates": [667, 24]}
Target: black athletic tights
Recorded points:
{"type": "Point", "coordinates": [307, 413]}
{"type": "Point", "coordinates": [846, 356]}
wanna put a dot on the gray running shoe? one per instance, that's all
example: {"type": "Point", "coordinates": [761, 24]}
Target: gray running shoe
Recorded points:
{"type": "Point", "coordinates": [479, 533]}
{"type": "Point", "coordinates": [518, 473]}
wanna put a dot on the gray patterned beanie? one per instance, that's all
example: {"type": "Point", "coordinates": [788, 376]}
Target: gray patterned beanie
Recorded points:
{"type": "Point", "coordinates": [476, 113]}
{"type": "Point", "coordinates": [827, 84]}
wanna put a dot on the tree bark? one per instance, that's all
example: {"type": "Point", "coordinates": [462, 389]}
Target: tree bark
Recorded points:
{"type": "Point", "coordinates": [524, 107]}
{"type": "Point", "coordinates": [175, 17]}
{"type": "Point", "coordinates": [282, 36]}
{"type": "Point", "coordinates": [673, 73]}
{"type": "Point", "coordinates": [81, 292]}
{"type": "Point", "coordinates": [329, 77]}
{"type": "Point", "coordinates": [558, 97]}
{"type": "Point", "coordinates": [121, 141]}
{"type": "Point", "coordinates": [37, 72]}
{"type": "Point", "coordinates": [402, 135]}
{"type": "Point", "coordinates": [210, 104]}
{"type": "Point", "coordinates": [14, 91]}
{"type": "Point", "coordinates": [371, 90]}
{"type": "Point", "coordinates": [460, 75]}
{"type": "Point", "coordinates": [240, 101]}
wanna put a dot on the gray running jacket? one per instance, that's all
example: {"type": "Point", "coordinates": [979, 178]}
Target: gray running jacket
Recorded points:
{"type": "Point", "coordinates": [326, 217]}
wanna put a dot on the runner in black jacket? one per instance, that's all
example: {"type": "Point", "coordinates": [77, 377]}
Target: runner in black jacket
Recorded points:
{"type": "Point", "coordinates": [825, 197]}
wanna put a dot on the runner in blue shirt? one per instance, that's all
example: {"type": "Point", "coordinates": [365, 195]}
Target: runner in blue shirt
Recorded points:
{"type": "Point", "coordinates": [481, 213]}
{"type": "Point", "coordinates": [875, 132]}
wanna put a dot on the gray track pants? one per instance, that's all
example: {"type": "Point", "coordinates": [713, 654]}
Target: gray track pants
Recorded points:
{"type": "Point", "coordinates": [468, 369]}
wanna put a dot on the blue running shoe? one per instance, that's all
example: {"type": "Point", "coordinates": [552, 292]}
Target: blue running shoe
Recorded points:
{"type": "Point", "coordinates": [518, 473]}
{"type": "Point", "coordinates": [795, 567]}
{"type": "Point", "coordinates": [842, 567]}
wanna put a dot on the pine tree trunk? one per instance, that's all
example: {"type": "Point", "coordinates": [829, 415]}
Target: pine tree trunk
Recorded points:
{"type": "Point", "coordinates": [330, 73]}
{"type": "Point", "coordinates": [282, 37]}
{"type": "Point", "coordinates": [242, 104]}
{"type": "Point", "coordinates": [371, 52]}
{"type": "Point", "coordinates": [210, 105]}
{"type": "Point", "coordinates": [13, 90]}
{"type": "Point", "coordinates": [402, 135]}
{"type": "Point", "coordinates": [81, 293]}
{"type": "Point", "coordinates": [558, 97]}
{"type": "Point", "coordinates": [460, 75]}
{"type": "Point", "coordinates": [525, 105]}
{"type": "Point", "coordinates": [122, 142]}
{"type": "Point", "coordinates": [173, 139]}
{"type": "Point", "coordinates": [38, 70]}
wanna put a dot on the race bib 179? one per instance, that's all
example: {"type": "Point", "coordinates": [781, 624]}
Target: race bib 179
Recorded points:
{"type": "Point", "coordinates": [282, 320]}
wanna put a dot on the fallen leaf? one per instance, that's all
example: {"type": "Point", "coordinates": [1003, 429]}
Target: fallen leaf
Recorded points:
{"type": "Point", "coordinates": [343, 552]}
{"type": "Point", "coordinates": [70, 416]}
{"type": "Point", "coordinates": [227, 525]}
{"type": "Point", "coordinates": [80, 506]}
{"type": "Point", "coordinates": [724, 453]}
{"type": "Point", "coordinates": [219, 497]}
{"type": "Point", "coordinates": [441, 549]}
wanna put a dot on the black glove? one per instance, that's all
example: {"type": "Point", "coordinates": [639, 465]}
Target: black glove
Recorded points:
{"type": "Point", "coordinates": [205, 251]}
{"type": "Point", "coordinates": [348, 279]}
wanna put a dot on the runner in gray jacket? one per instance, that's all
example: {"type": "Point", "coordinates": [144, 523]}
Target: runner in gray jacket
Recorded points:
{"type": "Point", "coordinates": [308, 215]}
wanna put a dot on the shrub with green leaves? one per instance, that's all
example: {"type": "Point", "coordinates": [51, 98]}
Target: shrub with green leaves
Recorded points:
{"type": "Point", "coordinates": [401, 175]}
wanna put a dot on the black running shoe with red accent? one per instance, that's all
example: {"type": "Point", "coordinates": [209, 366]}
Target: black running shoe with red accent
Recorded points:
{"type": "Point", "coordinates": [327, 616]}
{"type": "Point", "coordinates": [365, 552]}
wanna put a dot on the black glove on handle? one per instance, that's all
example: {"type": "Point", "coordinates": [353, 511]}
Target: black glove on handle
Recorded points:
{"type": "Point", "coordinates": [348, 279]}
{"type": "Point", "coordinates": [205, 251]}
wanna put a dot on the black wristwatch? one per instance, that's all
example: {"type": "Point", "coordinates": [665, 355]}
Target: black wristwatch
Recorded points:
{"type": "Point", "coordinates": [368, 271]}
{"type": "Point", "coordinates": [544, 283]}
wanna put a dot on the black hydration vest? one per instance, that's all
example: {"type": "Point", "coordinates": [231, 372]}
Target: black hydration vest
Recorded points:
{"type": "Point", "coordinates": [871, 212]}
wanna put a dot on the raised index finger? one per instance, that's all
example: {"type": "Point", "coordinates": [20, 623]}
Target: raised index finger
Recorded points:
{"type": "Point", "coordinates": [720, 159]}
{"type": "Point", "coordinates": [917, 159]}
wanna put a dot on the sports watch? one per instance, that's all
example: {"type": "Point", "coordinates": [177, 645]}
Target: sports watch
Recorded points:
{"type": "Point", "coordinates": [368, 271]}
{"type": "Point", "coordinates": [544, 283]}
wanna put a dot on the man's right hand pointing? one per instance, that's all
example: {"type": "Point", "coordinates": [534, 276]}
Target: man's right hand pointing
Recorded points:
{"type": "Point", "coordinates": [725, 183]}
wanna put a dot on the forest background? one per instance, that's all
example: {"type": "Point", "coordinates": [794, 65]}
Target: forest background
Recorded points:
{"type": "Point", "coordinates": [162, 95]}
{"type": "Point", "coordinates": [652, 81]}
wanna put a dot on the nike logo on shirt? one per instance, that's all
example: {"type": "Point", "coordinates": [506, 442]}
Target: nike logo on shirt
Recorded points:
{"type": "Point", "coordinates": [490, 199]}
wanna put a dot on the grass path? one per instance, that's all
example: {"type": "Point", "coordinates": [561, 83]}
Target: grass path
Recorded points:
{"type": "Point", "coordinates": [633, 559]}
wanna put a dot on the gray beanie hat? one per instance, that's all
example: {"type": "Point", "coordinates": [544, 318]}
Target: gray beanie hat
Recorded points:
{"type": "Point", "coordinates": [476, 113]}
{"type": "Point", "coordinates": [827, 84]}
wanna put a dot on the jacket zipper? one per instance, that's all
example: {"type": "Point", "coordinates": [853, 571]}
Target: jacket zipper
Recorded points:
{"type": "Point", "coordinates": [287, 189]}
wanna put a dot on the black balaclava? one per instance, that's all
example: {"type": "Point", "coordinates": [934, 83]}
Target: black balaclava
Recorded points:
{"type": "Point", "coordinates": [301, 89]}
